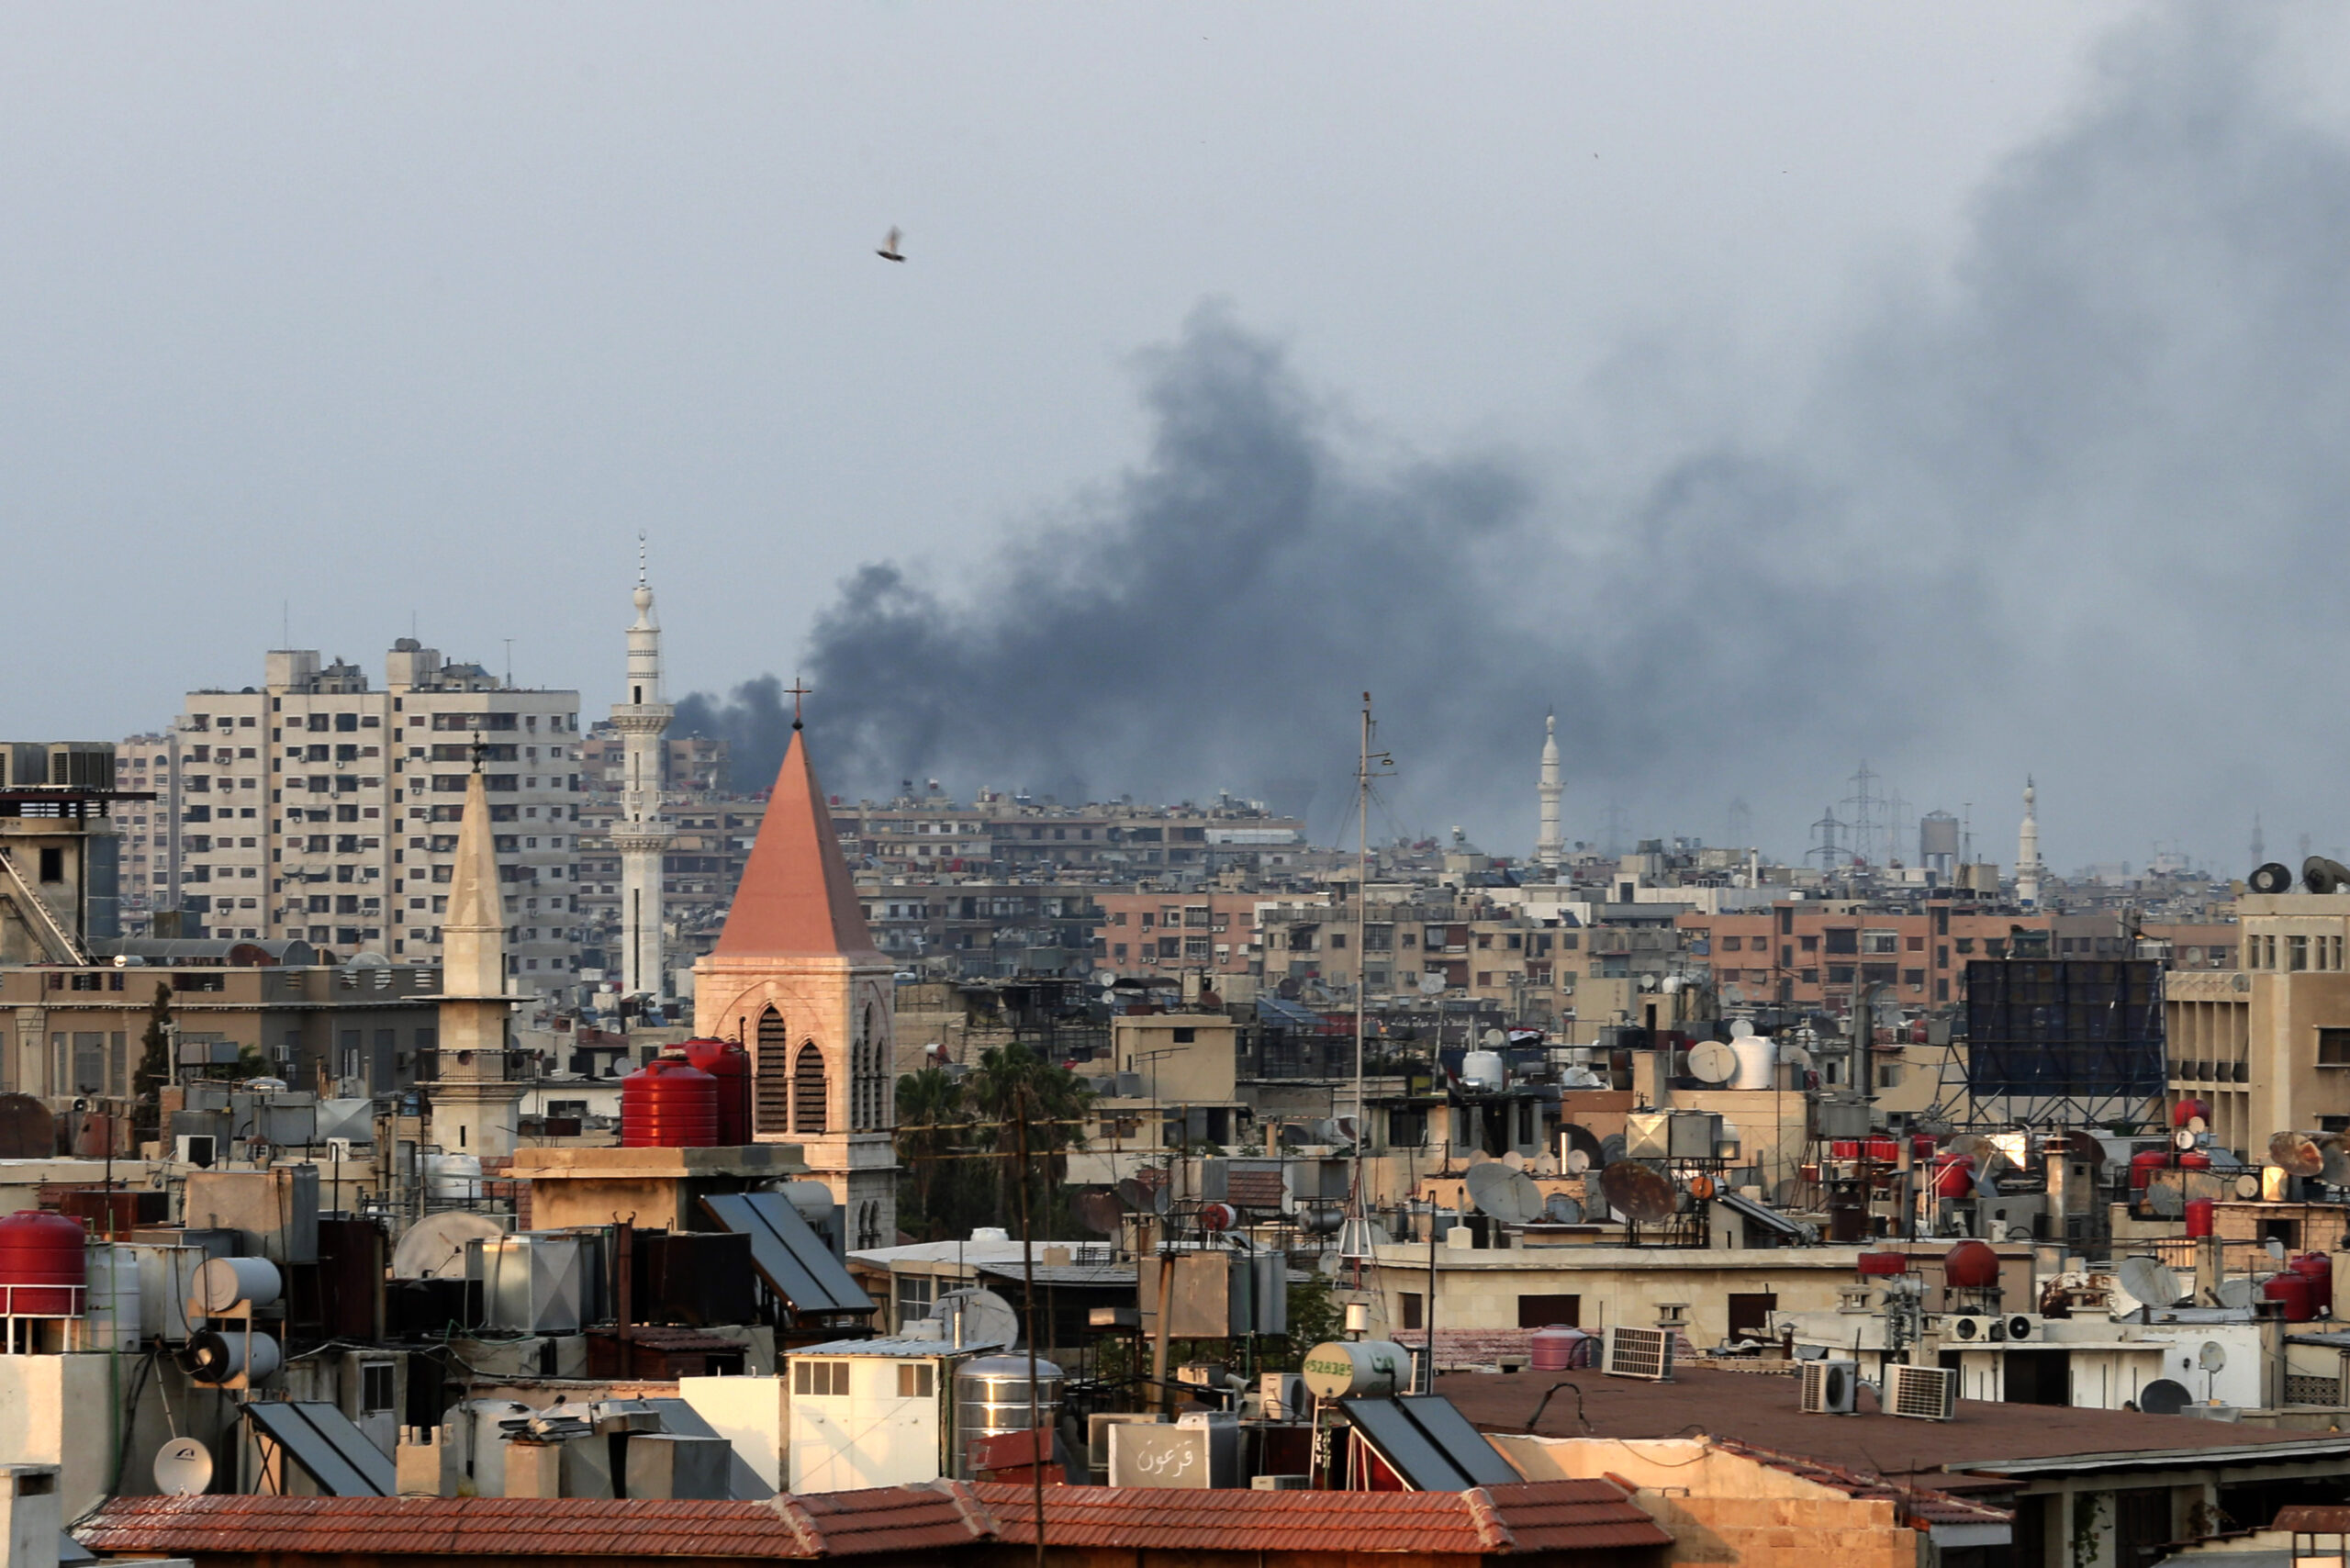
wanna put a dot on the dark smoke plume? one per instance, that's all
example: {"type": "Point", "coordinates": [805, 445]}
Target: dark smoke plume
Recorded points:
{"type": "Point", "coordinates": [2075, 508]}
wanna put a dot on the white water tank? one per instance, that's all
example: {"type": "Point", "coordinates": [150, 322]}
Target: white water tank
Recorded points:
{"type": "Point", "coordinates": [1756, 1056]}
{"type": "Point", "coordinates": [1483, 1069]}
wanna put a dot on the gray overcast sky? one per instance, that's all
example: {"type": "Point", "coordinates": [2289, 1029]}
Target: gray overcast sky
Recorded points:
{"type": "Point", "coordinates": [427, 309]}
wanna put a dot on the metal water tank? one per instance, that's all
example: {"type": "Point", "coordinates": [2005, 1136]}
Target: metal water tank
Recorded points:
{"type": "Point", "coordinates": [730, 1064]}
{"type": "Point", "coordinates": [668, 1103]}
{"type": "Point", "coordinates": [992, 1400]}
{"type": "Point", "coordinates": [1342, 1367]}
{"type": "Point", "coordinates": [1971, 1266]}
{"type": "Point", "coordinates": [42, 1265]}
{"type": "Point", "coordinates": [114, 1308]}
{"type": "Point", "coordinates": [1554, 1347]}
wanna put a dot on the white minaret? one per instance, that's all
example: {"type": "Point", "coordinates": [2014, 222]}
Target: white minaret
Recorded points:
{"type": "Point", "coordinates": [1549, 846]}
{"type": "Point", "coordinates": [642, 834]}
{"type": "Point", "coordinates": [2027, 850]}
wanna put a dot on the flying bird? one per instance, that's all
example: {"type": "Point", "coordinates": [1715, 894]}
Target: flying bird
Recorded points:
{"type": "Point", "coordinates": [888, 251]}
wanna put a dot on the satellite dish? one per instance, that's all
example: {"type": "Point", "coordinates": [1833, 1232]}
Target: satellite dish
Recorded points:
{"type": "Point", "coordinates": [27, 1128]}
{"type": "Point", "coordinates": [1162, 1198]}
{"type": "Point", "coordinates": [1742, 1028]}
{"type": "Point", "coordinates": [434, 1247]}
{"type": "Point", "coordinates": [1580, 1140]}
{"type": "Point", "coordinates": [2183, 1139]}
{"type": "Point", "coordinates": [2197, 1124]}
{"type": "Point", "coordinates": [1638, 1193]}
{"type": "Point", "coordinates": [1515, 1160]}
{"type": "Point", "coordinates": [2148, 1280]}
{"type": "Point", "coordinates": [1134, 1194]}
{"type": "Point", "coordinates": [2248, 1185]}
{"type": "Point", "coordinates": [1561, 1209]}
{"type": "Point", "coordinates": [2212, 1356]}
{"type": "Point", "coordinates": [2271, 878]}
{"type": "Point", "coordinates": [2235, 1292]}
{"type": "Point", "coordinates": [2166, 1201]}
{"type": "Point", "coordinates": [2082, 1146]}
{"type": "Point", "coordinates": [2336, 1170]}
{"type": "Point", "coordinates": [2164, 1398]}
{"type": "Point", "coordinates": [1432, 983]}
{"type": "Point", "coordinates": [1577, 1162]}
{"type": "Point", "coordinates": [1495, 1039]}
{"type": "Point", "coordinates": [986, 1317]}
{"type": "Point", "coordinates": [2295, 1153]}
{"type": "Point", "coordinates": [183, 1468]}
{"type": "Point", "coordinates": [1710, 1062]}
{"type": "Point", "coordinates": [1509, 1196]}
{"type": "Point", "coordinates": [1100, 1211]}
{"type": "Point", "coordinates": [1612, 1150]}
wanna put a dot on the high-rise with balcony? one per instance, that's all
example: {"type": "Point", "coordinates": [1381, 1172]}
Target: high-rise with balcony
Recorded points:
{"type": "Point", "coordinates": [313, 806]}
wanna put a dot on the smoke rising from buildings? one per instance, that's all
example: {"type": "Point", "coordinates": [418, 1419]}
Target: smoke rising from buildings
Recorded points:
{"type": "Point", "coordinates": [2073, 507]}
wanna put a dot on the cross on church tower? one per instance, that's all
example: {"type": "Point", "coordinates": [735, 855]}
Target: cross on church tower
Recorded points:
{"type": "Point", "coordinates": [798, 692]}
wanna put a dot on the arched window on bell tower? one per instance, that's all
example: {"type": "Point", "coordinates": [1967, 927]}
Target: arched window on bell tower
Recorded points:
{"type": "Point", "coordinates": [809, 1111]}
{"type": "Point", "coordinates": [771, 1076]}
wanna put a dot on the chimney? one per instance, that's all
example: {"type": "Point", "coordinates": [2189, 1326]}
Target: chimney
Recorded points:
{"type": "Point", "coordinates": [29, 1494]}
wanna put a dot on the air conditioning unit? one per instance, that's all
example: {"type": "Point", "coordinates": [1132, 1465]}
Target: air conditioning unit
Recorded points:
{"type": "Point", "coordinates": [1923, 1394]}
{"type": "Point", "coordinates": [2020, 1326]}
{"type": "Point", "coordinates": [339, 1151]}
{"type": "Point", "coordinates": [1831, 1387]}
{"type": "Point", "coordinates": [1976, 1330]}
{"type": "Point", "coordinates": [1637, 1353]}
{"type": "Point", "coordinates": [1283, 1396]}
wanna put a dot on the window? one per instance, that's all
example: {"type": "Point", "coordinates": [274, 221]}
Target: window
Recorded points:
{"type": "Point", "coordinates": [1811, 944]}
{"type": "Point", "coordinates": [1733, 943]}
{"type": "Point", "coordinates": [2334, 1048]}
{"type": "Point", "coordinates": [914, 1298]}
{"type": "Point", "coordinates": [825, 1378]}
{"type": "Point", "coordinates": [913, 1380]}
{"type": "Point", "coordinates": [1914, 979]}
{"type": "Point", "coordinates": [1844, 939]}
{"type": "Point", "coordinates": [1412, 1309]}
{"type": "Point", "coordinates": [1549, 1311]}
{"type": "Point", "coordinates": [376, 1388]}
{"type": "Point", "coordinates": [2297, 952]}
{"type": "Point", "coordinates": [1880, 942]}
{"type": "Point", "coordinates": [808, 1090]}
{"type": "Point", "coordinates": [1186, 1035]}
{"type": "Point", "coordinates": [1966, 944]}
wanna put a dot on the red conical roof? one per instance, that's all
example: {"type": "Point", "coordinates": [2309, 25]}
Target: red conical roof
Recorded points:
{"type": "Point", "coordinates": [796, 898]}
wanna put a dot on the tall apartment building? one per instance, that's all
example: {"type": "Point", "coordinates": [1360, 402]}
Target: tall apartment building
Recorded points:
{"type": "Point", "coordinates": [313, 807]}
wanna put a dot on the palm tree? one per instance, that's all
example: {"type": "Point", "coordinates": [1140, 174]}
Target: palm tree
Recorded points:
{"type": "Point", "coordinates": [931, 1118]}
{"type": "Point", "coordinates": [1027, 1106]}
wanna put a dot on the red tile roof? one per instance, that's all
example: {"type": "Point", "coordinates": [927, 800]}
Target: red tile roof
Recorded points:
{"type": "Point", "coordinates": [1548, 1516]}
{"type": "Point", "coordinates": [796, 898]}
{"type": "Point", "coordinates": [1543, 1515]}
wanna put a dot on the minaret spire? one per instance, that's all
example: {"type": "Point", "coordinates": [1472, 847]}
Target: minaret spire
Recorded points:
{"type": "Point", "coordinates": [473, 1099]}
{"type": "Point", "coordinates": [641, 833]}
{"type": "Point", "coordinates": [2028, 866]}
{"type": "Point", "coordinates": [1549, 844]}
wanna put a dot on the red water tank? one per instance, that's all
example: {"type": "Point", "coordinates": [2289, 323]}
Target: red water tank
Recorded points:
{"type": "Point", "coordinates": [728, 1063]}
{"type": "Point", "coordinates": [1844, 1148]}
{"type": "Point", "coordinates": [43, 1262]}
{"type": "Point", "coordinates": [2317, 1267]}
{"type": "Point", "coordinates": [668, 1103]}
{"type": "Point", "coordinates": [2187, 1110]}
{"type": "Point", "coordinates": [1885, 1149]}
{"type": "Point", "coordinates": [1882, 1265]}
{"type": "Point", "coordinates": [1954, 1176]}
{"type": "Point", "coordinates": [1554, 1347]}
{"type": "Point", "coordinates": [2200, 1213]}
{"type": "Point", "coordinates": [2143, 1164]}
{"type": "Point", "coordinates": [2293, 1290]}
{"type": "Point", "coordinates": [1971, 1266]}
{"type": "Point", "coordinates": [2193, 1159]}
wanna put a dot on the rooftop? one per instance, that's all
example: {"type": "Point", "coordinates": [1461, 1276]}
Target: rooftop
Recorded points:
{"type": "Point", "coordinates": [1761, 1410]}
{"type": "Point", "coordinates": [1546, 1516]}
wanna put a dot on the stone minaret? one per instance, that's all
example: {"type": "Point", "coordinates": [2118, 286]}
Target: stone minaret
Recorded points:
{"type": "Point", "coordinates": [475, 1101]}
{"type": "Point", "coordinates": [796, 978]}
{"type": "Point", "coordinates": [641, 833]}
{"type": "Point", "coordinates": [2027, 850]}
{"type": "Point", "coordinates": [1549, 845]}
